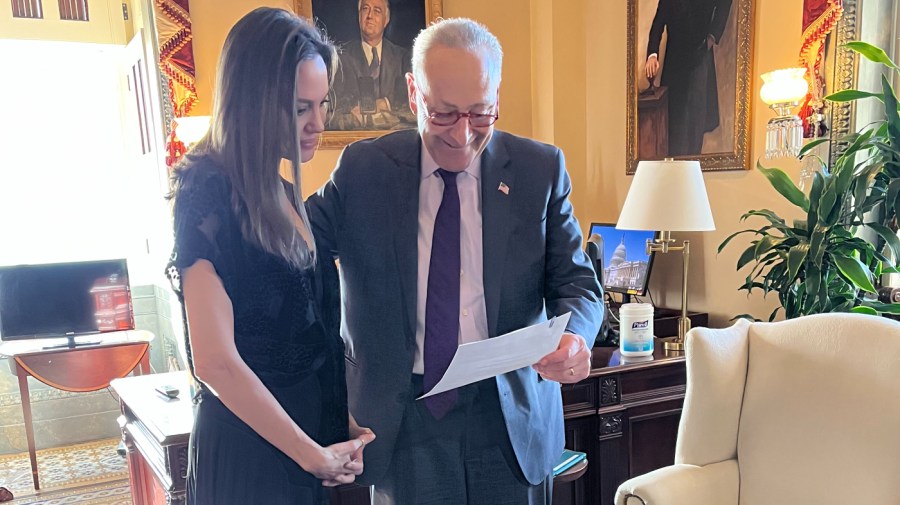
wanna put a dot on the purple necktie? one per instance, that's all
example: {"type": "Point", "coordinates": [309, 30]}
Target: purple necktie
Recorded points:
{"type": "Point", "coordinates": [442, 298]}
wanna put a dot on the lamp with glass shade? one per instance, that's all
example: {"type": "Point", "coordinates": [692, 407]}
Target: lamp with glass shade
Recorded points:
{"type": "Point", "coordinates": [783, 90]}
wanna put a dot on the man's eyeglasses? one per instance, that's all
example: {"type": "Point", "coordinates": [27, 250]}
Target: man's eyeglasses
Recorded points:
{"type": "Point", "coordinates": [450, 118]}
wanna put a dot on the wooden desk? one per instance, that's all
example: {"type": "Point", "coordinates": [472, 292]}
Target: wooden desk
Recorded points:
{"type": "Point", "coordinates": [76, 369]}
{"type": "Point", "coordinates": [625, 417]}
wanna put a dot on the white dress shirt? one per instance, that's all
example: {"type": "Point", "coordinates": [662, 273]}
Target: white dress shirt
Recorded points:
{"type": "Point", "coordinates": [472, 309]}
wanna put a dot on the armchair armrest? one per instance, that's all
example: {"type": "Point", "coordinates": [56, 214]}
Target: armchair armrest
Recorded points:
{"type": "Point", "coordinates": [714, 484]}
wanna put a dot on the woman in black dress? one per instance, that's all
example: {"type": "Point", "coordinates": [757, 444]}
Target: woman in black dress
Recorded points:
{"type": "Point", "coordinates": [271, 423]}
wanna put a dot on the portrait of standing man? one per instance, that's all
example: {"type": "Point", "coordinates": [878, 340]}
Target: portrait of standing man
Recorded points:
{"type": "Point", "coordinates": [693, 28]}
{"type": "Point", "coordinates": [690, 80]}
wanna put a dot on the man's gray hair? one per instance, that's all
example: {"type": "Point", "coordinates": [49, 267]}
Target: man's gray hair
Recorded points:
{"type": "Point", "coordinates": [387, 6]}
{"type": "Point", "coordinates": [458, 33]}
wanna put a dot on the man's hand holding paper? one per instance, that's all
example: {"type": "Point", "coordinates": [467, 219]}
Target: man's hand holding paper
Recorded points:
{"type": "Point", "coordinates": [569, 363]}
{"type": "Point", "coordinates": [524, 347]}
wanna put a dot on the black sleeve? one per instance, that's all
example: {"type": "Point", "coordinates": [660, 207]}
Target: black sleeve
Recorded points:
{"type": "Point", "coordinates": [202, 215]}
{"type": "Point", "coordinates": [325, 210]}
{"type": "Point", "coordinates": [720, 19]}
{"type": "Point", "coordinates": [656, 30]}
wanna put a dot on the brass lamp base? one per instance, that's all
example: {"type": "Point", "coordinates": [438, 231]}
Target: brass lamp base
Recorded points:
{"type": "Point", "coordinates": [674, 346]}
{"type": "Point", "coordinates": [684, 326]}
{"type": "Point", "coordinates": [663, 244]}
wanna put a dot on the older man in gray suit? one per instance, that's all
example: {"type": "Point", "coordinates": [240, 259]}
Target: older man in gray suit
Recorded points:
{"type": "Point", "coordinates": [453, 234]}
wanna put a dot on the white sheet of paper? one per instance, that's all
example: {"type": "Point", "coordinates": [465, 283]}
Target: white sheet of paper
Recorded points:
{"type": "Point", "coordinates": [477, 361]}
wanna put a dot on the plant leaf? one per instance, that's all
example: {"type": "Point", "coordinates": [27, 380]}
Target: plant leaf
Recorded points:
{"type": "Point", "coordinates": [815, 193]}
{"type": "Point", "coordinates": [848, 95]}
{"type": "Point", "coordinates": [890, 110]}
{"type": "Point", "coordinates": [862, 309]}
{"type": "Point", "coordinates": [858, 144]}
{"type": "Point", "coordinates": [871, 53]}
{"type": "Point", "coordinates": [796, 256]}
{"type": "Point", "coordinates": [784, 185]}
{"type": "Point", "coordinates": [768, 214]}
{"type": "Point", "coordinates": [889, 237]}
{"type": "Point", "coordinates": [810, 145]}
{"type": "Point", "coordinates": [811, 286]}
{"type": "Point", "coordinates": [816, 245]}
{"type": "Point", "coordinates": [735, 234]}
{"type": "Point", "coordinates": [855, 271]}
{"type": "Point", "coordinates": [746, 257]}
{"type": "Point", "coordinates": [884, 308]}
{"type": "Point", "coordinates": [861, 190]}
{"type": "Point", "coordinates": [887, 149]}
{"type": "Point", "coordinates": [897, 208]}
{"type": "Point", "coordinates": [823, 298]}
{"type": "Point", "coordinates": [764, 244]}
{"type": "Point", "coordinates": [893, 191]}
{"type": "Point", "coordinates": [826, 205]}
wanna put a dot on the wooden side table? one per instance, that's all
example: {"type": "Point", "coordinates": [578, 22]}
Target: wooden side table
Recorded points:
{"type": "Point", "coordinates": [156, 431]}
{"type": "Point", "coordinates": [75, 369]}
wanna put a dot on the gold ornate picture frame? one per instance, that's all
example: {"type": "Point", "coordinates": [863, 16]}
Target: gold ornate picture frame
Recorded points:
{"type": "Point", "coordinates": [340, 19]}
{"type": "Point", "coordinates": [844, 74]}
{"type": "Point", "coordinates": [705, 98]}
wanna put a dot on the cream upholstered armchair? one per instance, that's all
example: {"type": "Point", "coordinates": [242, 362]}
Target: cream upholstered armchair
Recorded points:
{"type": "Point", "coordinates": [805, 411]}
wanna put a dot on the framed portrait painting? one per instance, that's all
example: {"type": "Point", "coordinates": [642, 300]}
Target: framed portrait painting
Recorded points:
{"type": "Point", "coordinates": [689, 82]}
{"type": "Point", "coordinates": [374, 40]}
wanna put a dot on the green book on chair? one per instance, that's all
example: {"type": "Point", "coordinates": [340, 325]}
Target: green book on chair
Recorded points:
{"type": "Point", "coordinates": [567, 460]}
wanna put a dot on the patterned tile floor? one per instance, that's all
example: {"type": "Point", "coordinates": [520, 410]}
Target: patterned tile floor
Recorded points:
{"type": "Point", "coordinates": [85, 474]}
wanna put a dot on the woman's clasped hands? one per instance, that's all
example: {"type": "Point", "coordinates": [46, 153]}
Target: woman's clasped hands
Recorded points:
{"type": "Point", "coordinates": [340, 463]}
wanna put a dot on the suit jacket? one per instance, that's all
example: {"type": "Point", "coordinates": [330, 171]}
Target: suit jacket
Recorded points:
{"type": "Point", "coordinates": [534, 267]}
{"type": "Point", "coordinates": [395, 62]}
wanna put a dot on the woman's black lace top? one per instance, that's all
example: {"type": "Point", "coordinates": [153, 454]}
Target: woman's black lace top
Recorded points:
{"type": "Point", "coordinates": [279, 330]}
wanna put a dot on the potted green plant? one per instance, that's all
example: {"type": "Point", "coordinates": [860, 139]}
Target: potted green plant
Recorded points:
{"type": "Point", "coordinates": [818, 263]}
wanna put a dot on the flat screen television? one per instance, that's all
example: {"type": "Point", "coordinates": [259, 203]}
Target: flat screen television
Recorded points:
{"type": "Point", "coordinates": [626, 265]}
{"type": "Point", "coordinates": [64, 300]}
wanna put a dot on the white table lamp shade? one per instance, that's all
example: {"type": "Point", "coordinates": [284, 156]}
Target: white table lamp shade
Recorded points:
{"type": "Point", "coordinates": [667, 195]}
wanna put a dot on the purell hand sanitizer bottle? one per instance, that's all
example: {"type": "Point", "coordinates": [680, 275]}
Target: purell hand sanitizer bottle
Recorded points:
{"type": "Point", "coordinates": [636, 329]}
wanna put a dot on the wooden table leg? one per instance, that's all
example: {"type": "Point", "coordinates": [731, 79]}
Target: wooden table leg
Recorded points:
{"type": "Point", "coordinates": [29, 428]}
{"type": "Point", "coordinates": [145, 362]}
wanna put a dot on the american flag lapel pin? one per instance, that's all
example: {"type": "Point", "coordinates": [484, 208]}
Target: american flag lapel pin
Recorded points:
{"type": "Point", "coordinates": [503, 188]}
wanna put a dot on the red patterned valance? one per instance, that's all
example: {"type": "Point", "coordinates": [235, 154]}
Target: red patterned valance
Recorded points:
{"type": "Point", "coordinates": [176, 53]}
{"type": "Point", "coordinates": [819, 19]}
